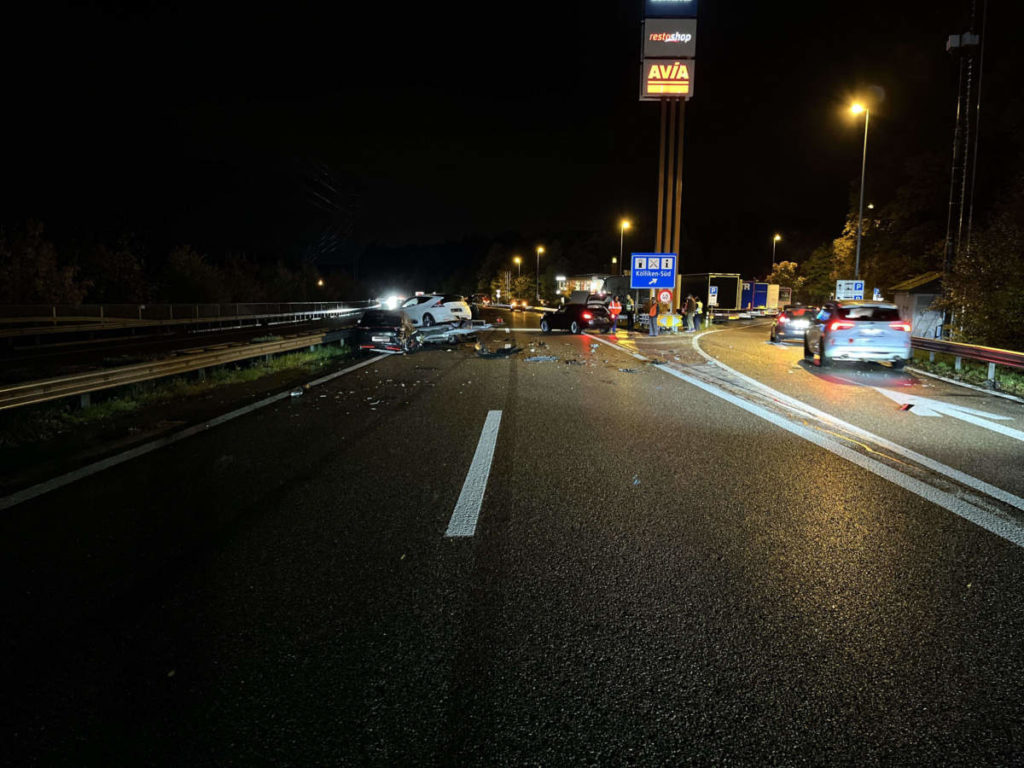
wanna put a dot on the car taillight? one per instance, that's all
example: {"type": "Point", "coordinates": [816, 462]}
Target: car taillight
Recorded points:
{"type": "Point", "coordinates": [900, 326]}
{"type": "Point", "coordinates": [783, 319]}
{"type": "Point", "coordinates": [588, 316]}
{"type": "Point", "coordinates": [840, 325]}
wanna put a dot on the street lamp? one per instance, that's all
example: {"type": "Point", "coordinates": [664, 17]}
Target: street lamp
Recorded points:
{"type": "Point", "coordinates": [775, 241]}
{"type": "Point", "coordinates": [623, 226]}
{"type": "Point", "coordinates": [540, 250]}
{"type": "Point", "coordinates": [320, 283]}
{"type": "Point", "coordinates": [518, 262]}
{"type": "Point", "coordinates": [855, 109]}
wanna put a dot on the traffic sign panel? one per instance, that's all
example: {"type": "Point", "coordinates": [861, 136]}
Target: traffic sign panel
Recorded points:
{"type": "Point", "coordinates": [665, 296]}
{"type": "Point", "coordinates": [653, 270]}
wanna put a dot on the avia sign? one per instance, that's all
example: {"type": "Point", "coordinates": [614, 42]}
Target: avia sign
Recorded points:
{"type": "Point", "coordinates": [668, 78]}
{"type": "Point", "coordinates": [670, 38]}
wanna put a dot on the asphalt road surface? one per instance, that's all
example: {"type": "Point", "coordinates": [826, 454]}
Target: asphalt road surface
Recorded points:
{"type": "Point", "coordinates": [656, 577]}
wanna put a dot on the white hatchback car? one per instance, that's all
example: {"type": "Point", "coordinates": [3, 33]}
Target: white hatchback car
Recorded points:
{"type": "Point", "coordinates": [437, 308]}
{"type": "Point", "coordinates": [858, 330]}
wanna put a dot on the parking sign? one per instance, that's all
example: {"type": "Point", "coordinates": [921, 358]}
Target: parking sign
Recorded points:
{"type": "Point", "coordinates": [653, 270]}
{"type": "Point", "coordinates": [849, 289]}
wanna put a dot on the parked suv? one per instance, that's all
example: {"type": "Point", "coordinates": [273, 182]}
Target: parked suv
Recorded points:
{"type": "Point", "coordinates": [858, 330]}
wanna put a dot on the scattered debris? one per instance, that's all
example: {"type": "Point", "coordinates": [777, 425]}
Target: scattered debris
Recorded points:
{"type": "Point", "coordinates": [483, 351]}
{"type": "Point", "coordinates": [906, 406]}
{"type": "Point", "coordinates": [541, 359]}
{"type": "Point", "coordinates": [296, 393]}
{"type": "Point", "coordinates": [574, 362]}
{"type": "Point", "coordinates": [636, 479]}
{"type": "Point", "coordinates": [629, 370]}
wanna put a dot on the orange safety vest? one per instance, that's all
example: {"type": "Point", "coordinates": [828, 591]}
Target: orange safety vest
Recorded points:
{"type": "Point", "coordinates": [615, 308]}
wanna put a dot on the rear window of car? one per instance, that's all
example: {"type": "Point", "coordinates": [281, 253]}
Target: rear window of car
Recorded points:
{"type": "Point", "coordinates": [869, 314]}
{"type": "Point", "coordinates": [375, 317]}
{"type": "Point", "coordinates": [801, 312]}
{"type": "Point", "coordinates": [452, 297]}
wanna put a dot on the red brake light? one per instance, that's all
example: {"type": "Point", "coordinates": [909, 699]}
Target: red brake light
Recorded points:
{"type": "Point", "coordinates": [902, 325]}
{"type": "Point", "coordinates": [840, 325]}
{"type": "Point", "coordinates": [783, 319]}
{"type": "Point", "coordinates": [588, 316]}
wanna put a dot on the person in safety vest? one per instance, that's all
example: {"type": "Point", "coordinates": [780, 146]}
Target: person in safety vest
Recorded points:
{"type": "Point", "coordinates": [615, 309]}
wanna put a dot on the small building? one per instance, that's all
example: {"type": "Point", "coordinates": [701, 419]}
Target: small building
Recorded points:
{"type": "Point", "coordinates": [916, 298]}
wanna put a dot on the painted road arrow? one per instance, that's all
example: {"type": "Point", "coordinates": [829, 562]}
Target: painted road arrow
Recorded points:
{"type": "Point", "coordinates": [923, 406]}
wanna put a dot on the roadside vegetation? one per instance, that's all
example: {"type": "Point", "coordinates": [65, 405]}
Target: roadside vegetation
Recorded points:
{"type": "Point", "coordinates": [24, 426]}
{"type": "Point", "coordinates": [970, 372]}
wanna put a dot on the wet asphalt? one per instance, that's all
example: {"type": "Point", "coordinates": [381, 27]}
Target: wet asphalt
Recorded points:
{"type": "Point", "coordinates": [657, 578]}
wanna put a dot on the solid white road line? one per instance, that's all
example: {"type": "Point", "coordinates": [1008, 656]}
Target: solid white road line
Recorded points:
{"type": "Point", "coordinates": [1010, 530]}
{"type": "Point", "coordinates": [91, 469]}
{"type": "Point", "coordinates": [955, 474]}
{"type": "Point", "coordinates": [467, 508]}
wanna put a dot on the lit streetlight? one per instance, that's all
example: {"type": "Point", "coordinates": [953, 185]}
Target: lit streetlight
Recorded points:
{"type": "Point", "coordinates": [855, 109]}
{"type": "Point", "coordinates": [540, 250]}
{"type": "Point", "coordinates": [775, 241]}
{"type": "Point", "coordinates": [518, 263]}
{"type": "Point", "coordinates": [623, 226]}
{"type": "Point", "coordinates": [320, 282]}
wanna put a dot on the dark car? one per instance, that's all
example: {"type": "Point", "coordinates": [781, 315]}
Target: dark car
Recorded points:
{"type": "Point", "coordinates": [792, 323]}
{"type": "Point", "coordinates": [576, 318]}
{"type": "Point", "coordinates": [380, 330]}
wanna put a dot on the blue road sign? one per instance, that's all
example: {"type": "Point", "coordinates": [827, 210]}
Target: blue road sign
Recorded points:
{"type": "Point", "coordinates": [653, 270]}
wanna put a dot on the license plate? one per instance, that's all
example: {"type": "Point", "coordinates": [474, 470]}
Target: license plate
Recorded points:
{"type": "Point", "coordinates": [800, 323]}
{"type": "Point", "coordinates": [381, 338]}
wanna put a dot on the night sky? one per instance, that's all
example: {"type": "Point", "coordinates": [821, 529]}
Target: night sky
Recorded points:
{"type": "Point", "coordinates": [435, 122]}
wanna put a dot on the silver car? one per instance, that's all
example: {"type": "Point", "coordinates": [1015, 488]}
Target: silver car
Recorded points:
{"type": "Point", "coordinates": [858, 330]}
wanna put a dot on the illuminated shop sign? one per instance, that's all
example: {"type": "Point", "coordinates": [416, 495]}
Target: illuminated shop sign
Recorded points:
{"type": "Point", "coordinates": [670, 9]}
{"type": "Point", "coordinates": [670, 38]}
{"type": "Point", "coordinates": [667, 79]}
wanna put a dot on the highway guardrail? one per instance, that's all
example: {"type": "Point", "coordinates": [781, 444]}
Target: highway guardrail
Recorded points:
{"type": "Point", "coordinates": [960, 352]}
{"type": "Point", "coordinates": [84, 384]}
{"type": "Point", "coordinates": [37, 319]}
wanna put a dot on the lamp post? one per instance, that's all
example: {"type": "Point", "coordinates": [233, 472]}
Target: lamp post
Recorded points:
{"type": "Point", "coordinates": [519, 267]}
{"type": "Point", "coordinates": [775, 241]}
{"type": "Point", "coordinates": [540, 250]}
{"type": "Point", "coordinates": [623, 226]}
{"type": "Point", "coordinates": [856, 108]}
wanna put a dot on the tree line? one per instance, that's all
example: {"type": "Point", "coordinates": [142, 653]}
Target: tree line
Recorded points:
{"type": "Point", "coordinates": [34, 270]}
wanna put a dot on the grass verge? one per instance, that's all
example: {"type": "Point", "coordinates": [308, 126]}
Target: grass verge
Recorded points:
{"type": "Point", "coordinates": [34, 425]}
{"type": "Point", "coordinates": [970, 372]}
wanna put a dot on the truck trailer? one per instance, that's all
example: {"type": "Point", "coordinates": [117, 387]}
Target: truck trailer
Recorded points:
{"type": "Point", "coordinates": [725, 296]}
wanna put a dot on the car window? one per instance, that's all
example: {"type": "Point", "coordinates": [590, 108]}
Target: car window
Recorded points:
{"type": "Point", "coordinates": [378, 318]}
{"type": "Point", "coordinates": [869, 313]}
{"type": "Point", "coordinates": [411, 302]}
{"type": "Point", "coordinates": [425, 299]}
{"type": "Point", "coordinates": [452, 297]}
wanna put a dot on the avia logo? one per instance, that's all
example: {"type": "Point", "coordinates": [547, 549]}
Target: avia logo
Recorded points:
{"type": "Point", "coordinates": [670, 37]}
{"type": "Point", "coordinates": [671, 78]}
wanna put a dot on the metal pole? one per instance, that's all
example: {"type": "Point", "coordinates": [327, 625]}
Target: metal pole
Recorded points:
{"type": "Point", "coordinates": [671, 166]}
{"type": "Point", "coordinates": [860, 214]}
{"type": "Point", "coordinates": [774, 243]}
{"type": "Point", "coordinates": [679, 181]}
{"type": "Point", "coordinates": [537, 284]}
{"type": "Point", "coordinates": [661, 180]}
{"type": "Point", "coordinates": [622, 231]}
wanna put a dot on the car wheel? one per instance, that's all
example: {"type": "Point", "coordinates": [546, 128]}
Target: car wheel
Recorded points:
{"type": "Point", "coordinates": [823, 361]}
{"type": "Point", "coordinates": [545, 326]}
{"type": "Point", "coordinates": [575, 327]}
{"type": "Point", "coordinates": [428, 319]}
{"type": "Point", "coordinates": [808, 355]}
{"type": "Point", "coordinates": [898, 364]}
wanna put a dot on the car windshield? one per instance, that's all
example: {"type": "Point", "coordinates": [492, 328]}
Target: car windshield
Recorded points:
{"type": "Point", "coordinates": [868, 313]}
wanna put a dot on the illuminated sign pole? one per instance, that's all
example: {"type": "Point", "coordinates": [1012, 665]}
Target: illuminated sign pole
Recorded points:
{"type": "Point", "coordinates": [667, 76]}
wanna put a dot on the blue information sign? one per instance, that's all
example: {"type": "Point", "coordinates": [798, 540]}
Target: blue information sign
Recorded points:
{"type": "Point", "coordinates": [653, 270]}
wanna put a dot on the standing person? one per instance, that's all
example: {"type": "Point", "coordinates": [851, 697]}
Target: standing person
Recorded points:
{"type": "Point", "coordinates": [630, 311]}
{"type": "Point", "coordinates": [691, 310]}
{"type": "Point", "coordinates": [614, 309]}
{"type": "Point", "coordinates": [700, 313]}
{"type": "Point", "coordinates": [653, 314]}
